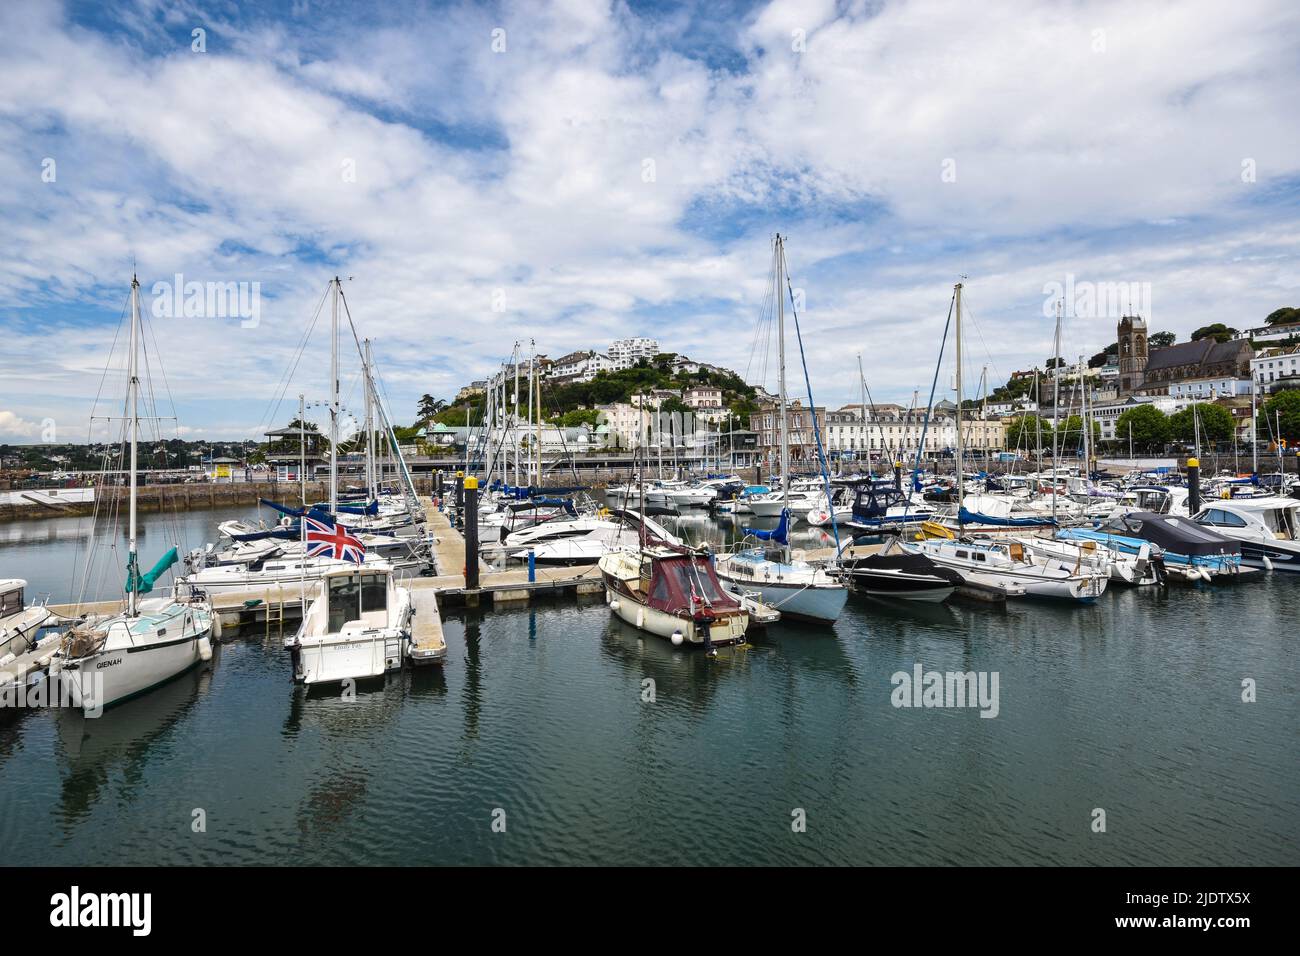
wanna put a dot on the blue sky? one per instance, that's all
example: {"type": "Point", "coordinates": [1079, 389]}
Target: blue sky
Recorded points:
{"type": "Point", "coordinates": [446, 158]}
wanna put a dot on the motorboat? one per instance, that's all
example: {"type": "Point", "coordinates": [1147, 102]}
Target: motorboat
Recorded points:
{"type": "Point", "coordinates": [357, 626]}
{"type": "Point", "coordinates": [891, 571]}
{"type": "Point", "coordinates": [1267, 527]}
{"type": "Point", "coordinates": [673, 592]}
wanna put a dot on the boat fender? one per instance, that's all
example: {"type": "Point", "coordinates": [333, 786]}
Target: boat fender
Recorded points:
{"type": "Point", "coordinates": [1268, 565]}
{"type": "Point", "coordinates": [205, 649]}
{"type": "Point", "coordinates": [44, 661]}
{"type": "Point", "coordinates": [613, 605]}
{"type": "Point", "coordinates": [1205, 575]}
{"type": "Point", "coordinates": [677, 638]}
{"type": "Point", "coordinates": [7, 659]}
{"type": "Point", "coordinates": [216, 626]}
{"type": "Point", "coordinates": [640, 617]}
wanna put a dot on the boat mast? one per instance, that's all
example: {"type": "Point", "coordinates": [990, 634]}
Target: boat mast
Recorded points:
{"type": "Point", "coordinates": [862, 390]}
{"type": "Point", "coordinates": [132, 400]}
{"type": "Point", "coordinates": [334, 398]}
{"type": "Point", "coordinates": [1056, 402]}
{"type": "Point", "coordinates": [780, 341]}
{"type": "Point", "coordinates": [514, 426]}
{"type": "Point", "coordinates": [302, 449]}
{"type": "Point", "coordinates": [1087, 430]}
{"type": "Point", "coordinates": [370, 427]}
{"type": "Point", "coordinates": [1254, 429]}
{"type": "Point", "coordinates": [961, 444]}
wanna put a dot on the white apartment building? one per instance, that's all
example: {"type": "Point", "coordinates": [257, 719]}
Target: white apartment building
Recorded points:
{"type": "Point", "coordinates": [890, 431]}
{"type": "Point", "coordinates": [1272, 365]}
{"type": "Point", "coordinates": [1270, 333]}
{"type": "Point", "coordinates": [624, 353]}
{"type": "Point", "coordinates": [580, 366]}
{"type": "Point", "coordinates": [628, 425]}
{"type": "Point", "coordinates": [1108, 413]}
{"type": "Point", "coordinates": [1208, 389]}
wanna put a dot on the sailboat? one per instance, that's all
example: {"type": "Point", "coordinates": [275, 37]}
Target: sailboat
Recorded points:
{"type": "Point", "coordinates": [795, 587]}
{"type": "Point", "coordinates": [669, 589]}
{"type": "Point", "coordinates": [359, 624]}
{"type": "Point", "coordinates": [1006, 565]}
{"type": "Point", "coordinates": [152, 640]}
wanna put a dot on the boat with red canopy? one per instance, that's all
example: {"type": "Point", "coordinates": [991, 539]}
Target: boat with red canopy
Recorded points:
{"type": "Point", "coordinates": [673, 592]}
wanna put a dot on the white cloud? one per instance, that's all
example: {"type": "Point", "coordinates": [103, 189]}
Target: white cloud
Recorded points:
{"type": "Point", "coordinates": [526, 172]}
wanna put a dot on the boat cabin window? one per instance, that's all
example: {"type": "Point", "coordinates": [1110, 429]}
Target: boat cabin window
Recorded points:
{"type": "Point", "coordinates": [350, 597]}
{"type": "Point", "coordinates": [1222, 519]}
{"type": "Point", "coordinates": [11, 602]}
{"type": "Point", "coordinates": [980, 556]}
{"type": "Point", "coordinates": [963, 554]}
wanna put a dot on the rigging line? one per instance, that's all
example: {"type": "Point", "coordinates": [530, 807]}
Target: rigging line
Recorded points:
{"type": "Point", "coordinates": [812, 409]}
{"type": "Point", "coordinates": [929, 408]}
{"type": "Point", "coordinates": [879, 427]}
{"type": "Point", "coordinates": [286, 377]}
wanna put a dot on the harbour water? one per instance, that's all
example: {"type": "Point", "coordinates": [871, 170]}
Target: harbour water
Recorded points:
{"type": "Point", "coordinates": [539, 720]}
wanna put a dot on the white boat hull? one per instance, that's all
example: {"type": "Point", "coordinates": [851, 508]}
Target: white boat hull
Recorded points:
{"type": "Point", "coordinates": [795, 600]}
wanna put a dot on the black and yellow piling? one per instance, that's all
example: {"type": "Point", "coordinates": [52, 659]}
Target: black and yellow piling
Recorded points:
{"type": "Point", "coordinates": [1193, 486]}
{"type": "Point", "coordinates": [470, 491]}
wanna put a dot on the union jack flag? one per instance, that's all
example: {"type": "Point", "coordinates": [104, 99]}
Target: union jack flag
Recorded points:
{"type": "Point", "coordinates": [333, 541]}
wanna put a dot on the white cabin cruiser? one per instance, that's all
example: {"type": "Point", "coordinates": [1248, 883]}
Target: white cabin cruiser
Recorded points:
{"type": "Point", "coordinates": [19, 623]}
{"type": "Point", "coordinates": [357, 626]}
{"type": "Point", "coordinates": [1267, 527]}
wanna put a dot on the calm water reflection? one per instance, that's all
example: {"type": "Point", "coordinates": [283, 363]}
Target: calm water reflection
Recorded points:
{"type": "Point", "coordinates": [1132, 705]}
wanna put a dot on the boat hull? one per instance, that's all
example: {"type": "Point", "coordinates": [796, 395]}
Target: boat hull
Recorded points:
{"type": "Point", "coordinates": [728, 629]}
{"type": "Point", "coordinates": [112, 677]}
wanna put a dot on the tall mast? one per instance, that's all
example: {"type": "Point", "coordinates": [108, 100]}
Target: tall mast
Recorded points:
{"type": "Point", "coordinates": [334, 398]}
{"type": "Point", "coordinates": [780, 341]}
{"type": "Point", "coordinates": [370, 426]}
{"type": "Point", "coordinates": [537, 384]}
{"type": "Point", "coordinates": [302, 449]}
{"type": "Point", "coordinates": [961, 478]}
{"type": "Point", "coordinates": [1254, 430]}
{"type": "Point", "coordinates": [862, 389]}
{"type": "Point", "coordinates": [132, 399]}
{"type": "Point", "coordinates": [1056, 402]}
{"type": "Point", "coordinates": [514, 430]}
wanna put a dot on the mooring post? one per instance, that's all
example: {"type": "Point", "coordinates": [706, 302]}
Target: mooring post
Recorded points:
{"type": "Point", "coordinates": [470, 491]}
{"type": "Point", "coordinates": [898, 476]}
{"type": "Point", "coordinates": [1193, 486]}
{"type": "Point", "coordinates": [460, 499]}
{"type": "Point", "coordinates": [532, 566]}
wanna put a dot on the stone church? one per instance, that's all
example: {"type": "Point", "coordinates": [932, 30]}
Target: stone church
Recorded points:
{"type": "Point", "coordinates": [1143, 372]}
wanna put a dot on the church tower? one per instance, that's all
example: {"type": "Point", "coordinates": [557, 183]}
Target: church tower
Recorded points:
{"type": "Point", "coordinates": [1132, 333]}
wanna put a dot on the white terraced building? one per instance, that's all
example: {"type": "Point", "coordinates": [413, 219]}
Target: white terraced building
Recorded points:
{"type": "Point", "coordinates": [891, 430]}
{"type": "Point", "coordinates": [624, 353]}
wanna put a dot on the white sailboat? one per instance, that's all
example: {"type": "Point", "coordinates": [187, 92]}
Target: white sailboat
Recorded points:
{"type": "Point", "coordinates": [795, 587]}
{"type": "Point", "coordinates": [359, 623]}
{"type": "Point", "coordinates": [1006, 565]}
{"type": "Point", "coordinates": [152, 640]}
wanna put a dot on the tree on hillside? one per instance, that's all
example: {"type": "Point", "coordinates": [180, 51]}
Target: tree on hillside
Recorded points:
{"type": "Point", "coordinates": [1287, 404]}
{"type": "Point", "coordinates": [1162, 340]}
{"type": "Point", "coordinates": [430, 406]}
{"type": "Point", "coordinates": [1147, 425]}
{"type": "Point", "coordinates": [1283, 316]}
{"type": "Point", "coordinates": [1105, 357]}
{"type": "Point", "coordinates": [1218, 331]}
{"type": "Point", "coordinates": [1215, 423]}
